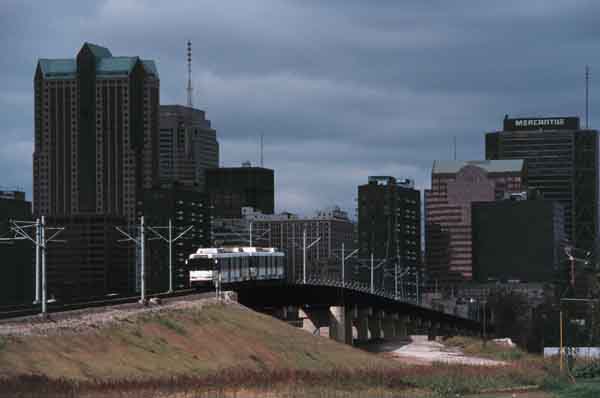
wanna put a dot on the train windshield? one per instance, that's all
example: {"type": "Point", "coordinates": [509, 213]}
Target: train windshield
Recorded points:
{"type": "Point", "coordinates": [201, 263]}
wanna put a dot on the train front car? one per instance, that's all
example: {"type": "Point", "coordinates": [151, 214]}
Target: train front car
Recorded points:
{"type": "Point", "coordinates": [202, 268]}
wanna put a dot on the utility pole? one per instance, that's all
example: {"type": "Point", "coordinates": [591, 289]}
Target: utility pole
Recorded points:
{"type": "Point", "coordinates": [170, 242]}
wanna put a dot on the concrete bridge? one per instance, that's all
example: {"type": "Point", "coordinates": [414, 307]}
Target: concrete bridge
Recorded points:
{"type": "Point", "coordinates": [352, 312]}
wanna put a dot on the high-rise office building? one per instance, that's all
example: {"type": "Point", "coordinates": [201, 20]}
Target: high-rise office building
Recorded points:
{"type": "Point", "coordinates": [562, 164]}
{"type": "Point", "coordinates": [17, 279]}
{"type": "Point", "coordinates": [187, 146]}
{"type": "Point", "coordinates": [96, 133]}
{"type": "Point", "coordinates": [96, 150]}
{"type": "Point", "coordinates": [232, 188]}
{"type": "Point", "coordinates": [389, 220]}
{"type": "Point", "coordinates": [454, 186]}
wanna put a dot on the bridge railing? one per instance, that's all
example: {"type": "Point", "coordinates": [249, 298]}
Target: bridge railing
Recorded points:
{"type": "Point", "coordinates": [354, 285]}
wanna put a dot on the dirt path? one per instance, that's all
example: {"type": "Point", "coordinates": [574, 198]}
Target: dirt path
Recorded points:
{"type": "Point", "coordinates": [418, 351]}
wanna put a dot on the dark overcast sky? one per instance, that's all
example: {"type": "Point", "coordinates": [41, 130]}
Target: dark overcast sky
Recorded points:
{"type": "Point", "coordinates": [341, 89]}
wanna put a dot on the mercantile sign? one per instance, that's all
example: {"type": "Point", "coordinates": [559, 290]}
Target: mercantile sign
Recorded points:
{"type": "Point", "coordinates": [546, 123]}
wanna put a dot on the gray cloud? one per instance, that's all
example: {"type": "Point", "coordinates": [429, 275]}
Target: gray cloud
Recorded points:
{"type": "Point", "coordinates": [341, 89]}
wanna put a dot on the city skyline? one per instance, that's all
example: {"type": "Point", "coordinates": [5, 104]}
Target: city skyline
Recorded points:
{"type": "Point", "coordinates": [367, 99]}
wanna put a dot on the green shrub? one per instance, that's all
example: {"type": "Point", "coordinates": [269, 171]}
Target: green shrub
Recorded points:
{"type": "Point", "coordinates": [589, 370]}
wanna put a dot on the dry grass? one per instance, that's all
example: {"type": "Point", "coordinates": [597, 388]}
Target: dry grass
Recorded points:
{"type": "Point", "coordinates": [477, 347]}
{"type": "Point", "coordinates": [189, 353]}
{"type": "Point", "coordinates": [179, 343]}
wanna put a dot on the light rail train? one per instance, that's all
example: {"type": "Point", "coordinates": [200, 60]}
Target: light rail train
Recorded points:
{"type": "Point", "coordinates": [234, 264]}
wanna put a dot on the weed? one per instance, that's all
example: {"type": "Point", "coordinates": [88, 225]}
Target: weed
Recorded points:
{"type": "Point", "coordinates": [171, 324]}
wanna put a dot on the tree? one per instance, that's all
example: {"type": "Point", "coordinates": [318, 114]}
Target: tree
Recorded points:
{"type": "Point", "coordinates": [510, 314]}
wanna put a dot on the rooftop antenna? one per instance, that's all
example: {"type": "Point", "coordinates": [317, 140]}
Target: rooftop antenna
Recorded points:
{"type": "Point", "coordinates": [261, 150]}
{"type": "Point", "coordinates": [454, 147]}
{"type": "Point", "coordinates": [587, 95]}
{"type": "Point", "coordinates": [189, 84]}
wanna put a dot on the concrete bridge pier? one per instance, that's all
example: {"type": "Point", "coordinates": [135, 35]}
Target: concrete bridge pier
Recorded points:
{"type": "Point", "coordinates": [401, 326]}
{"type": "Point", "coordinates": [375, 325]}
{"type": "Point", "coordinates": [361, 321]}
{"type": "Point", "coordinates": [313, 319]}
{"type": "Point", "coordinates": [340, 324]}
{"type": "Point", "coordinates": [434, 330]}
{"type": "Point", "coordinates": [287, 313]}
{"type": "Point", "coordinates": [412, 325]}
{"type": "Point", "coordinates": [389, 326]}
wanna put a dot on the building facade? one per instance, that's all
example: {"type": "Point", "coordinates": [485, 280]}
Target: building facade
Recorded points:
{"type": "Point", "coordinates": [185, 209]}
{"type": "Point", "coordinates": [329, 229]}
{"type": "Point", "coordinates": [96, 133]}
{"type": "Point", "coordinates": [389, 220]}
{"type": "Point", "coordinates": [96, 150]}
{"type": "Point", "coordinates": [17, 274]}
{"type": "Point", "coordinates": [90, 262]}
{"type": "Point", "coordinates": [454, 186]}
{"type": "Point", "coordinates": [562, 163]}
{"type": "Point", "coordinates": [517, 240]}
{"type": "Point", "coordinates": [326, 231]}
{"type": "Point", "coordinates": [187, 146]}
{"type": "Point", "coordinates": [232, 188]}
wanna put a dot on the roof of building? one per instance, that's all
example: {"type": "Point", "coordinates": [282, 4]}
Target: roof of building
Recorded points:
{"type": "Point", "coordinates": [490, 166]}
{"type": "Point", "coordinates": [106, 65]}
{"type": "Point", "coordinates": [98, 51]}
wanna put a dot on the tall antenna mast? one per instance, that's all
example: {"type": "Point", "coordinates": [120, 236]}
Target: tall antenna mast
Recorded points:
{"type": "Point", "coordinates": [189, 84]}
{"type": "Point", "coordinates": [454, 147]}
{"type": "Point", "coordinates": [587, 96]}
{"type": "Point", "coordinates": [261, 150]}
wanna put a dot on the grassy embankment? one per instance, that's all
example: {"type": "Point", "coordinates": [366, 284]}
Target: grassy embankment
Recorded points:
{"type": "Point", "coordinates": [195, 351]}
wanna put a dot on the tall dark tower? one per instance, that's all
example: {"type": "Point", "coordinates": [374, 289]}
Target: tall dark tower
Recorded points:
{"type": "Point", "coordinates": [562, 164]}
{"type": "Point", "coordinates": [96, 133]}
{"type": "Point", "coordinates": [96, 150]}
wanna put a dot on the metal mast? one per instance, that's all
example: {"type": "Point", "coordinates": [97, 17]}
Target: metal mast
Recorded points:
{"type": "Point", "coordinates": [587, 95]}
{"type": "Point", "coordinates": [261, 151]}
{"type": "Point", "coordinates": [189, 83]}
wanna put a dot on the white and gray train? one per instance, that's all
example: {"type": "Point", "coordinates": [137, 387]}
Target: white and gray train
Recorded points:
{"type": "Point", "coordinates": [235, 264]}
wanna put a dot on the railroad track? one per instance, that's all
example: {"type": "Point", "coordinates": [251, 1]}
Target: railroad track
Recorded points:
{"type": "Point", "coordinates": [34, 309]}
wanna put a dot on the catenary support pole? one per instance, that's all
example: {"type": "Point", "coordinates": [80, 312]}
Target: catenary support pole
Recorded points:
{"type": "Point", "coordinates": [170, 256]}
{"type": "Point", "coordinates": [142, 263]}
{"type": "Point", "coordinates": [561, 348]}
{"type": "Point", "coordinates": [43, 256]}
{"type": "Point", "coordinates": [304, 256]}
{"type": "Point", "coordinates": [417, 280]}
{"type": "Point", "coordinates": [37, 260]}
{"type": "Point", "coordinates": [343, 263]}
{"type": "Point", "coordinates": [396, 280]}
{"type": "Point", "coordinates": [372, 265]}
